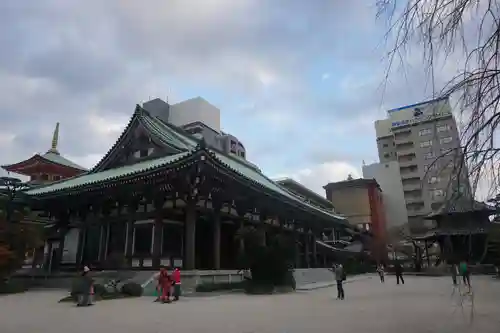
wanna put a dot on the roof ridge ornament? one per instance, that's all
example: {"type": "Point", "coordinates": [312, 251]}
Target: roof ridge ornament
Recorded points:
{"type": "Point", "coordinates": [202, 145]}
{"type": "Point", "coordinates": [138, 109]}
{"type": "Point", "coordinates": [55, 140]}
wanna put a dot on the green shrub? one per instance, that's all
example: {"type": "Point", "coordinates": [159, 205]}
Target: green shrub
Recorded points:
{"type": "Point", "coordinates": [209, 287]}
{"type": "Point", "coordinates": [132, 289]}
{"type": "Point", "coordinates": [12, 287]}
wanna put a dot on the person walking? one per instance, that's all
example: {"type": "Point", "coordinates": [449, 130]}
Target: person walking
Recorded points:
{"type": "Point", "coordinates": [381, 273]}
{"type": "Point", "coordinates": [398, 269]}
{"type": "Point", "coordinates": [454, 273]}
{"type": "Point", "coordinates": [340, 278]}
{"type": "Point", "coordinates": [87, 288]}
{"type": "Point", "coordinates": [176, 281]}
{"type": "Point", "coordinates": [465, 273]}
{"type": "Point", "coordinates": [164, 283]}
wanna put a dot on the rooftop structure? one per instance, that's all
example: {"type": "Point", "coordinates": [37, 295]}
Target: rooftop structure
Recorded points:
{"type": "Point", "coordinates": [361, 202]}
{"type": "Point", "coordinates": [48, 167]}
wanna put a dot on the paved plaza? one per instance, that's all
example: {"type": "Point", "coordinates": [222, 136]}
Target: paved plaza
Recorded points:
{"type": "Point", "coordinates": [423, 304]}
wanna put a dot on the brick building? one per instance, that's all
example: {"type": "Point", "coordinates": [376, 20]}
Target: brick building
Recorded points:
{"type": "Point", "coordinates": [360, 201]}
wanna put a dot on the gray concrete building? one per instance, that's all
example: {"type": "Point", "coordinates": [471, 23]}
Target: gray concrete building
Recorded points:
{"type": "Point", "coordinates": [424, 140]}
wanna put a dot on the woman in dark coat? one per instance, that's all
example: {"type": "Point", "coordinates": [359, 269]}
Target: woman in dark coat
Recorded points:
{"type": "Point", "coordinates": [87, 288]}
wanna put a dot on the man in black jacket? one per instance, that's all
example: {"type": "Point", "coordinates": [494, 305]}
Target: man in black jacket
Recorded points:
{"type": "Point", "coordinates": [398, 269]}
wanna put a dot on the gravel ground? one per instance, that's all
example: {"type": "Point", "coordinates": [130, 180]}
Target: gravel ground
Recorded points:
{"type": "Point", "coordinates": [423, 304]}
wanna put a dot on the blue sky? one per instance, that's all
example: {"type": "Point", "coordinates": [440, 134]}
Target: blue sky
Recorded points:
{"type": "Point", "coordinates": [300, 83]}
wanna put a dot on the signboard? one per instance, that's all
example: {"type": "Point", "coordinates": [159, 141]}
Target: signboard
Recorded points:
{"type": "Point", "coordinates": [420, 113]}
{"type": "Point", "coordinates": [419, 119]}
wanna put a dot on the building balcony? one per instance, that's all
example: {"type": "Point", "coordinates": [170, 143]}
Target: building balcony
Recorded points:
{"type": "Point", "coordinates": [401, 130]}
{"type": "Point", "coordinates": [412, 186]}
{"type": "Point", "coordinates": [407, 163]}
{"type": "Point", "coordinates": [412, 212]}
{"type": "Point", "coordinates": [409, 152]}
{"type": "Point", "coordinates": [410, 175]}
{"type": "Point", "coordinates": [414, 201]}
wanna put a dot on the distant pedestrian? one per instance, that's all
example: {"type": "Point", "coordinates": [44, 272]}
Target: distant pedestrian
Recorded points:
{"type": "Point", "coordinates": [340, 277]}
{"type": "Point", "coordinates": [85, 297]}
{"type": "Point", "coordinates": [465, 273]}
{"type": "Point", "coordinates": [381, 273]}
{"type": "Point", "coordinates": [176, 281]}
{"type": "Point", "coordinates": [165, 284]}
{"type": "Point", "coordinates": [454, 274]}
{"type": "Point", "coordinates": [398, 269]}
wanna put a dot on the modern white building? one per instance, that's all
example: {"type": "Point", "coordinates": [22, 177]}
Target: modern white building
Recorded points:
{"type": "Point", "coordinates": [388, 177]}
{"type": "Point", "coordinates": [423, 140]}
{"type": "Point", "coordinates": [199, 118]}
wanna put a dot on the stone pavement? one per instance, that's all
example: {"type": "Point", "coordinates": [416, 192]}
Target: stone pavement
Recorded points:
{"type": "Point", "coordinates": [423, 304]}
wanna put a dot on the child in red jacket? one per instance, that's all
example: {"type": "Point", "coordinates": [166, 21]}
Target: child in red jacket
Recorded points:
{"type": "Point", "coordinates": [176, 280]}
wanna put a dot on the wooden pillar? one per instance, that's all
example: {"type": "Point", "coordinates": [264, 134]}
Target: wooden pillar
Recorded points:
{"type": "Point", "coordinates": [314, 251]}
{"type": "Point", "coordinates": [82, 231]}
{"type": "Point", "coordinates": [427, 254]}
{"type": "Point", "coordinates": [64, 220]}
{"type": "Point", "coordinates": [306, 248]}
{"type": "Point", "coordinates": [190, 236]}
{"type": "Point", "coordinates": [102, 242]}
{"type": "Point", "coordinates": [216, 240]}
{"type": "Point", "coordinates": [157, 232]}
{"type": "Point", "coordinates": [296, 245]}
{"type": "Point", "coordinates": [129, 232]}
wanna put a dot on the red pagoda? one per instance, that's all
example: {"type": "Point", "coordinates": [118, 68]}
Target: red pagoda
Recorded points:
{"type": "Point", "coordinates": [48, 167]}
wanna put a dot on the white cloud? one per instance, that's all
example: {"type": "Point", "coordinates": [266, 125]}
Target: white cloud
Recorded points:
{"type": "Point", "coordinates": [317, 176]}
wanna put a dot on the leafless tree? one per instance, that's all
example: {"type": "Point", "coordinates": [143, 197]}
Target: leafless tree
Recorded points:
{"type": "Point", "coordinates": [466, 32]}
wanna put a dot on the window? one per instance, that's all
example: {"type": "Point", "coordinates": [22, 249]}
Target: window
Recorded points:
{"type": "Point", "coordinates": [425, 144]}
{"type": "Point", "coordinates": [150, 150]}
{"type": "Point", "coordinates": [56, 177]}
{"type": "Point", "coordinates": [385, 145]}
{"type": "Point", "coordinates": [137, 154]}
{"type": "Point", "coordinates": [143, 153]}
{"type": "Point", "coordinates": [242, 154]}
{"type": "Point", "coordinates": [429, 155]}
{"type": "Point", "coordinates": [424, 131]}
{"type": "Point", "coordinates": [233, 146]}
{"type": "Point", "coordinates": [45, 177]}
{"type": "Point", "coordinates": [443, 128]}
{"type": "Point", "coordinates": [386, 155]}
{"type": "Point", "coordinates": [445, 140]}
{"type": "Point", "coordinates": [433, 180]}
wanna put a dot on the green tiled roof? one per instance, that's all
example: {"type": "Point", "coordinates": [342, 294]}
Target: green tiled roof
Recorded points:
{"type": "Point", "coordinates": [264, 181]}
{"type": "Point", "coordinates": [186, 143]}
{"type": "Point", "coordinates": [166, 133]}
{"type": "Point", "coordinates": [107, 175]}
{"type": "Point", "coordinates": [58, 159]}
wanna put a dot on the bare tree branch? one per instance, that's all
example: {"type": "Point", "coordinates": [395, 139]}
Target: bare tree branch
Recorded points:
{"type": "Point", "coordinates": [467, 30]}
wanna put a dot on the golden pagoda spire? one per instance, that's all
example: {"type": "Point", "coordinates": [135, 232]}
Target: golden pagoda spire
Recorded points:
{"type": "Point", "coordinates": [55, 140]}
